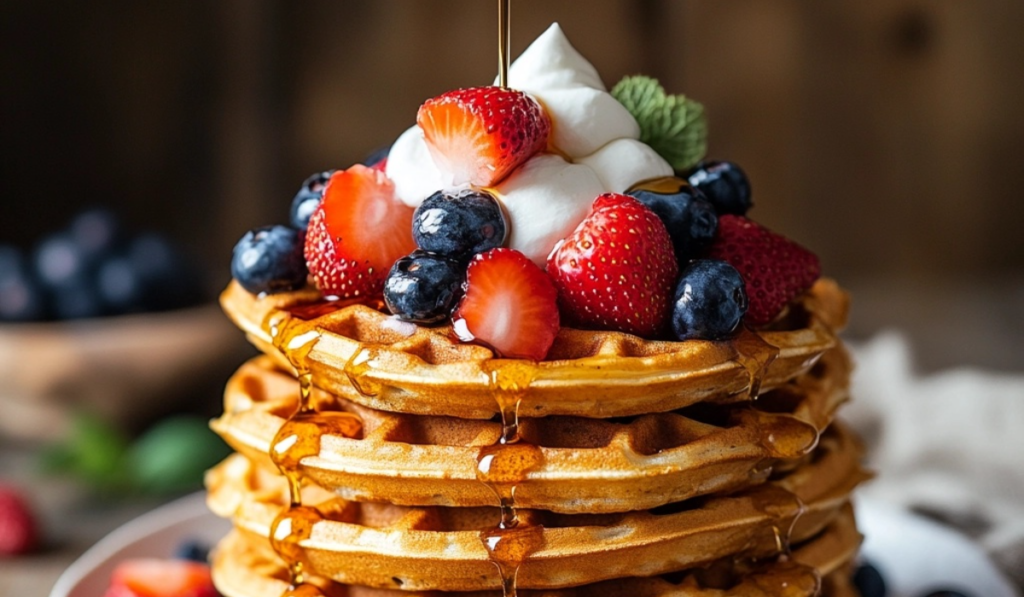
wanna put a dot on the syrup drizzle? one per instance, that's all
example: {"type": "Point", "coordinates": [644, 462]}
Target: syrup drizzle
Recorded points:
{"type": "Point", "coordinates": [756, 356]}
{"type": "Point", "coordinates": [502, 467]}
{"type": "Point", "coordinates": [784, 508]}
{"type": "Point", "coordinates": [358, 366]}
{"type": "Point", "coordinates": [299, 438]}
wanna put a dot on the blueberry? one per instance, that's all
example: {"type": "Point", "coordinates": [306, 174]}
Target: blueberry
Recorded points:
{"type": "Point", "coordinates": [308, 198]}
{"type": "Point", "coordinates": [269, 260]}
{"type": "Point", "coordinates": [459, 224]}
{"type": "Point", "coordinates": [96, 232]}
{"type": "Point", "coordinates": [21, 298]}
{"type": "Point", "coordinates": [193, 550]}
{"type": "Point", "coordinates": [120, 286]}
{"type": "Point", "coordinates": [946, 593]}
{"type": "Point", "coordinates": [869, 581]}
{"type": "Point", "coordinates": [690, 220]}
{"type": "Point", "coordinates": [60, 261]}
{"type": "Point", "coordinates": [424, 287]}
{"type": "Point", "coordinates": [725, 185]}
{"type": "Point", "coordinates": [710, 301]}
{"type": "Point", "coordinates": [76, 299]}
{"type": "Point", "coordinates": [377, 156]}
{"type": "Point", "coordinates": [166, 279]}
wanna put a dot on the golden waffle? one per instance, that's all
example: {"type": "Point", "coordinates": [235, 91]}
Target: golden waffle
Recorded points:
{"type": "Point", "coordinates": [247, 567]}
{"type": "Point", "coordinates": [422, 370]}
{"type": "Point", "coordinates": [586, 465]}
{"type": "Point", "coordinates": [387, 546]}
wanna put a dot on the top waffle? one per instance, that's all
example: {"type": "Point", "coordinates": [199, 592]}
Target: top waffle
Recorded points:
{"type": "Point", "coordinates": [370, 358]}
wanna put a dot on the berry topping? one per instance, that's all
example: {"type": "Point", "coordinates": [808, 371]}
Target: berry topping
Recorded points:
{"type": "Point", "coordinates": [17, 525]}
{"type": "Point", "coordinates": [161, 578]}
{"type": "Point", "coordinates": [725, 185]}
{"type": "Point", "coordinates": [378, 159]}
{"type": "Point", "coordinates": [459, 224]}
{"type": "Point", "coordinates": [869, 581]}
{"type": "Point", "coordinates": [424, 287]}
{"type": "Point", "coordinates": [690, 220]}
{"type": "Point", "coordinates": [616, 271]}
{"type": "Point", "coordinates": [356, 234]}
{"type": "Point", "coordinates": [21, 297]}
{"type": "Point", "coordinates": [775, 269]}
{"type": "Point", "coordinates": [308, 198]}
{"type": "Point", "coordinates": [269, 260]}
{"type": "Point", "coordinates": [481, 134]}
{"type": "Point", "coordinates": [710, 301]}
{"type": "Point", "coordinates": [510, 305]}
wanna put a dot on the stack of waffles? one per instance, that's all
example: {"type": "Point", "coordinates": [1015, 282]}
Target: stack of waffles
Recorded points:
{"type": "Point", "coordinates": [378, 457]}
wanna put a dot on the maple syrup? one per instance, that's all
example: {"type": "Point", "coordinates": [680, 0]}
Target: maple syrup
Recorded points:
{"type": "Point", "coordinates": [356, 369]}
{"type": "Point", "coordinates": [755, 355]}
{"type": "Point", "coordinates": [784, 508]}
{"type": "Point", "coordinates": [782, 436]}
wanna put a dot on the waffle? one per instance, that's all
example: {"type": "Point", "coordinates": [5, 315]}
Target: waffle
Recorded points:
{"type": "Point", "coordinates": [372, 359]}
{"type": "Point", "coordinates": [416, 548]}
{"type": "Point", "coordinates": [586, 465]}
{"type": "Point", "coordinates": [247, 567]}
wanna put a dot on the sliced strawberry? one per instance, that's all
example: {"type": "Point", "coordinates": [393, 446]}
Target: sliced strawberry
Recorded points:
{"type": "Point", "coordinates": [358, 231]}
{"type": "Point", "coordinates": [480, 135]}
{"type": "Point", "coordinates": [775, 269]}
{"type": "Point", "coordinates": [617, 270]}
{"type": "Point", "coordinates": [510, 305]}
{"type": "Point", "coordinates": [161, 578]}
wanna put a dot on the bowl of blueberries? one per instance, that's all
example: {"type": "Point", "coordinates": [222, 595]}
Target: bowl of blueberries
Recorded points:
{"type": "Point", "coordinates": [97, 319]}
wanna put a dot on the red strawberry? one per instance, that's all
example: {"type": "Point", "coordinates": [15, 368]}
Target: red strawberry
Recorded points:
{"type": "Point", "coordinates": [161, 578]}
{"type": "Point", "coordinates": [510, 305]}
{"type": "Point", "coordinates": [356, 234]}
{"type": "Point", "coordinates": [775, 269]}
{"type": "Point", "coordinates": [17, 525]}
{"type": "Point", "coordinates": [617, 270]}
{"type": "Point", "coordinates": [479, 135]}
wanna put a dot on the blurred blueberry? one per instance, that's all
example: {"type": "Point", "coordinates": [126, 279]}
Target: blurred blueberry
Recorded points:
{"type": "Point", "coordinates": [167, 280]}
{"type": "Point", "coordinates": [869, 581]}
{"type": "Point", "coordinates": [119, 285]}
{"type": "Point", "coordinates": [946, 593]}
{"type": "Point", "coordinates": [75, 299]}
{"type": "Point", "coordinates": [97, 232]}
{"type": "Point", "coordinates": [193, 550]}
{"type": "Point", "coordinates": [59, 261]}
{"type": "Point", "coordinates": [21, 298]}
{"type": "Point", "coordinates": [377, 155]}
{"type": "Point", "coordinates": [11, 260]}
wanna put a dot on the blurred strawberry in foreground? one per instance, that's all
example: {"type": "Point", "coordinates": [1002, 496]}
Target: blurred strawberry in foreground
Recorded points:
{"type": "Point", "coordinates": [479, 135]}
{"type": "Point", "coordinates": [18, 533]}
{"type": "Point", "coordinates": [617, 270]}
{"type": "Point", "coordinates": [356, 234]}
{"type": "Point", "coordinates": [161, 578]}
{"type": "Point", "coordinates": [775, 269]}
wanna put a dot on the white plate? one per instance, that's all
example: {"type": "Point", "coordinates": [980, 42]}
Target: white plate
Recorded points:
{"type": "Point", "coordinates": [155, 534]}
{"type": "Point", "coordinates": [913, 554]}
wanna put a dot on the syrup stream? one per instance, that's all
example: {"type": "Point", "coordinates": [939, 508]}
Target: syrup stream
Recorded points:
{"type": "Point", "coordinates": [504, 41]}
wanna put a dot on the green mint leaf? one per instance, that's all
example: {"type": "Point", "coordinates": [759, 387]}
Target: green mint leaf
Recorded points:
{"type": "Point", "coordinates": [672, 125]}
{"type": "Point", "coordinates": [172, 455]}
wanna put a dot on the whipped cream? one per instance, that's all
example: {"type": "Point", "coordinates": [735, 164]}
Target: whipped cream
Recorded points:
{"type": "Point", "coordinates": [624, 162]}
{"type": "Point", "coordinates": [412, 169]}
{"type": "Point", "coordinates": [544, 200]}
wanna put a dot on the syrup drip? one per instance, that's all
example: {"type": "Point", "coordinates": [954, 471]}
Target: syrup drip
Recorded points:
{"type": "Point", "coordinates": [784, 508]}
{"type": "Point", "coordinates": [756, 356]}
{"type": "Point", "coordinates": [357, 368]}
{"type": "Point", "coordinates": [782, 436]}
{"type": "Point", "coordinates": [299, 438]}
{"type": "Point", "coordinates": [665, 185]}
{"type": "Point", "coordinates": [502, 467]}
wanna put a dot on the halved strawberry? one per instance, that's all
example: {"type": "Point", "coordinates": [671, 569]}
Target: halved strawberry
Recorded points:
{"type": "Point", "coordinates": [617, 270]}
{"type": "Point", "coordinates": [480, 135]}
{"type": "Point", "coordinates": [358, 231]}
{"type": "Point", "coordinates": [510, 305]}
{"type": "Point", "coordinates": [161, 578]}
{"type": "Point", "coordinates": [775, 269]}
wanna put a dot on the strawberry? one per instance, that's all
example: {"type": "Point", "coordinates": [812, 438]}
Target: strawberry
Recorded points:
{"type": "Point", "coordinates": [356, 233]}
{"type": "Point", "coordinates": [775, 269]}
{"type": "Point", "coordinates": [481, 134]}
{"type": "Point", "coordinates": [161, 578]}
{"type": "Point", "coordinates": [510, 305]}
{"type": "Point", "coordinates": [17, 525]}
{"type": "Point", "coordinates": [617, 270]}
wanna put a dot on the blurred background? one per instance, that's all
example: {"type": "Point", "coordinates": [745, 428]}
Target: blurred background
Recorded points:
{"type": "Point", "coordinates": [886, 135]}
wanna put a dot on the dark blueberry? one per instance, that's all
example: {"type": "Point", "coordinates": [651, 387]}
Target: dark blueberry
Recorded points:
{"type": "Point", "coordinates": [946, 593]}
{"type": "Point", "coordinates": [21, 298]}
{"type": "Point", "coordinates": [119, 285]}
{"type": "Point", "coordinates": [60, 261]}
{"type": "Point", "coordinates": [76, 299]}
{"type": "Point", "coordinates": [97, 233]}
{"type": "Point", "coordinates": [690, 220]}
{"type": "Point", "coordinates": [725, 185]}
{"type": "Point", "coordinates": [869, 581]}
{"type": "Point", "coordinates": [193, 550]}
{"type": "Point", "coordinates": [377, 156]}
{"type": "Point", "coordinates": [269, 260]}
{"type": "Point", "coordinates": [424, 287]}
{"type": "Point", "coordinates": [308, 198]}
{"type": "Point", "coordinates": [459, 224]}
{"type": "Point", "coordinates": [166, 279]}
{"type": "Point", "coordinates": [710, 301]}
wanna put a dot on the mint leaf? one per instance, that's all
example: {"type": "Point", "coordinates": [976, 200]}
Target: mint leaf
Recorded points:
{"type": "Point", "coordinates": [672, 125]}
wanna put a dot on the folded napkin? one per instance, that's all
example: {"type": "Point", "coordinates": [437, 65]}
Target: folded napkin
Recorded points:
{"type": "Point", "coordinates": [949, 445]}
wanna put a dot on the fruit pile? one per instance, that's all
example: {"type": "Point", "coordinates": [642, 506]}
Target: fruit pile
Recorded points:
{"type": "Point", "coordinates": [670, 257]}
{"type": "Point", "coordinates": [94, 268]}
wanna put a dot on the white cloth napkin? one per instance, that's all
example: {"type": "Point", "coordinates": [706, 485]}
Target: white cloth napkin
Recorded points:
{"type": "Point", "coordinates": [949, 444]}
